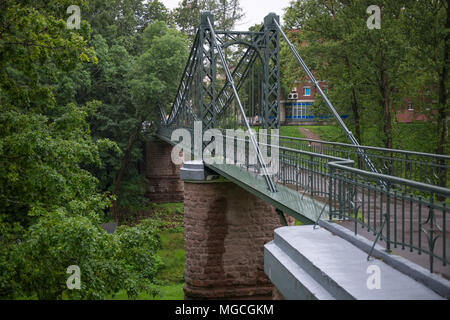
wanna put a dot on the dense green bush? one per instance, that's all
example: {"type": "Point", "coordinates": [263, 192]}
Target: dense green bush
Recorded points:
{"type": "Point", "coordinates": [36, 265]}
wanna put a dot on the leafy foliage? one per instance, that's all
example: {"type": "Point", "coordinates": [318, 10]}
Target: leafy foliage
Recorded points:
{"type": "Point", "coordinates": [66, 114]}
{"type": "Point", "coordinates": [372, 73]}
{"type": "Point", "coordinates": [123, 260]}
{"type": "Point", "coordinates": [187, 15]}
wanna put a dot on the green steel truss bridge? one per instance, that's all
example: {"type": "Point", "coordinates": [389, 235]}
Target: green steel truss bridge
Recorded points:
{"type": "Point", "coordinates": [232, 80]}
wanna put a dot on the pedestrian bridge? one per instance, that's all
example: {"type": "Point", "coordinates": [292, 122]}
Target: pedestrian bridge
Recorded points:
{"type": "Point", "coordinates": [395, 202]}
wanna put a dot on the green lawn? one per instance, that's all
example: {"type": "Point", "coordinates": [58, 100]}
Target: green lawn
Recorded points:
{"type": "Point", "coordinates": [406, 136]}
{"type": "Point", "coordinates": [170, 277]}
{"type": "Point", "coordinates": [290, 131]}
{"type": "Point", "coordinates": [329, 133]}
{"type": "Point", "coordinates": [173, 256]}
{"type": "Point", "coordinates": [169, 292]}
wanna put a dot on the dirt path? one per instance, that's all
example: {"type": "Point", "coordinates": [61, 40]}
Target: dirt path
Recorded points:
{"type": "Point", "coordinates": [317, 147]}
{"type": "Point", "coordinates": [308, 134]}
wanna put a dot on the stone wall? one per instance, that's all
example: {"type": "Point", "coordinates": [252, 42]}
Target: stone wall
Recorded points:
{"type": "Point", "coordinates": [226, 228]}
{"type": "Point", "coordinates": [164, 184]}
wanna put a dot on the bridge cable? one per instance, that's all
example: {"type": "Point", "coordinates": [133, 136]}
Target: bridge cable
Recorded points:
{"type": "Point", "coordinates": [349, 134]}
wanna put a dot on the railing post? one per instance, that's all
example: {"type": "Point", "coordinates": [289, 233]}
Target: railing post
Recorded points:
{"type": "Point", "coordinates": [330, 192]}
{"type": "Point", "coordinates": [388, 218]}
{"type": "Point", "coordinates": [311, 178]}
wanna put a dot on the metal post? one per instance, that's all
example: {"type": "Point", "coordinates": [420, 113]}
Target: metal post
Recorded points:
{"type": "Point", "coordinates": [259, 156]}
{"type": "Point", "coordinates": [388, 220]}
{"type": "Point", "coordinates": [271, 74]}
{"type": "Point", "coordinates": [206, 73]}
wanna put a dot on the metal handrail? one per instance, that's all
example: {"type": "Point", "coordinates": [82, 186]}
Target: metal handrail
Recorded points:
{"type": "Point", "coordinates": [410, 152]}
{"type": "Point", "coordinates": [402, 181]}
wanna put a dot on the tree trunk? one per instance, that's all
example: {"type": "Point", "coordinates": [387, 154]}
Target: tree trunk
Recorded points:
{"type": "Point", "coordinates": [356, 116]}
{"type": "Point", "coordinates": [386, 105]}
{"type": "Point", "coordinates": [355, 105]}
{"type": "Point", "coordinates": [443, 111]}
{"type": "Point", "coordinates": [123, 166]}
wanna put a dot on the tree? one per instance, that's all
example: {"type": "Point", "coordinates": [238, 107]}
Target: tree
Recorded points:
{"type": "Point", "coordinates": [364, 67]}
{"type": "Point", "coordinates": [50, 203]}
{"type": "Point", "coordinates": [427, 24]}
{"type": "Point", "coordinates": [153, 83]}
{"type": "Point", "coordinates": [121, 22]}
{"type": "Point", "coordinates": [187, 14]}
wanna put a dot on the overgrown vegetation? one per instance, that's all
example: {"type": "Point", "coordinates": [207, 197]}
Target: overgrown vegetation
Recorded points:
{"type": "Point", "coordinates": [73, 104]}
{"type": "Point", "coordinates": [169, 279]}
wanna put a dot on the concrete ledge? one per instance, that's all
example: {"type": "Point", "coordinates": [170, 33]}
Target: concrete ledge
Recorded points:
{"type": "Point", "coordinates": [193, 170]}
{"type": "Point", "coordinates": [295, 282]}
{"type": "Point", "coordinates": [196, 171]}
{"type": "Point", "coordinates": [418, 273]}
{"type": "Point", "coordinates": [304, 263]}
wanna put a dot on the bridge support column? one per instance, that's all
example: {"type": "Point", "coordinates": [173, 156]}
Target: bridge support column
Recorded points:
{"type": "Point", "coordinates": [163, 176]}
{"type": "Point", "coordinates": [226, 228]}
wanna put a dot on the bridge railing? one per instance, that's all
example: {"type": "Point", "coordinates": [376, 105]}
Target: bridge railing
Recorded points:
{"type": "Point", "coordinates": [411, 218]}
{"type": "Point", "coordinates": [400, 213]}
{"type": "Point", "coordinates": [422, 167]}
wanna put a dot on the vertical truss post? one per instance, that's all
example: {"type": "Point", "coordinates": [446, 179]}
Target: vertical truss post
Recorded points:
{"type": "Point", "coordinates": [270, 108]}
{"type": "Point", "coordinates": [206, 73]}
{"type": "Point", "coordinates": [230, 80]}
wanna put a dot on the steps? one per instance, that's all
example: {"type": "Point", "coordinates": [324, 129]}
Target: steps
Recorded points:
{"type": "Point", "coordinates": [304, 263]}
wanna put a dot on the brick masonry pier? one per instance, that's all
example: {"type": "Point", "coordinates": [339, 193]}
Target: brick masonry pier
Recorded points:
{"type": "Point", "coordinates": [164, 184]}
{"type": "Point", "coordinates": [226, 228]}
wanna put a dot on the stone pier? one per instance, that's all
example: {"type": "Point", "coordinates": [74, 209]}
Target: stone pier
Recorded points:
{"type": "Point", "coordinates": [226, 228]}
{"type": "Point", "coordinates": [164, 184]}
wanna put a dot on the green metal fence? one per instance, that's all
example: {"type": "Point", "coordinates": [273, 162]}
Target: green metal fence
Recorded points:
{"type": "Point", "coordinates": [428, 168]}
{"type": "Point", "coordinates": [415, 219]}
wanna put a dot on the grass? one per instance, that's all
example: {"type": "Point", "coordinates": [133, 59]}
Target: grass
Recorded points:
{"type": "Point", "coordinates": [172, 253]}
{"type": "Point", "coordinates": [173, 256]}
{"type": "Point", "coordinates": [168, 292]}
{"type": "Point", "coordinates": [170, 278]}
{"type": "Point", "coordinates": [291, 131]}
{"type": "Point", "coordinates": [415, 137]}
{"type": "Point", "coordinates": [329, 133]}
{"type": "Point", "coordinates": [406, 136]}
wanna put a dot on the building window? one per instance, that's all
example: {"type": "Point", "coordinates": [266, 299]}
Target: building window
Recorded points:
{"type": "Point", "coordinates": [307, 91]}
{"type": "Point", "coordinates": [410, 106]}
{"type": "Point", "coordinates": [325, 90]}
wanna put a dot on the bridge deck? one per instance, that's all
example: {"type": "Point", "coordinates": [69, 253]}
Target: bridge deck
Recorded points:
{"type": "Point", "coordinates": [301, 207]}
